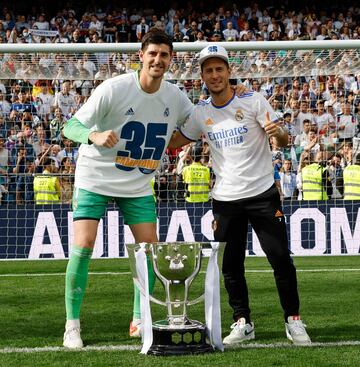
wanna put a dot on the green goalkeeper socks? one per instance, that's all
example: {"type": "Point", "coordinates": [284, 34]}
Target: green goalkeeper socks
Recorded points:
{"type": "Point", "coordinates": [76, 280]}
{"type": "Point", "coordinates": [152, 277]}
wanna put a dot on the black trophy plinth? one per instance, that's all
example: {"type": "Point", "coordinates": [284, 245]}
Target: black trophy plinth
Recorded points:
{"type": "Point", "coordinates": [190, 339]}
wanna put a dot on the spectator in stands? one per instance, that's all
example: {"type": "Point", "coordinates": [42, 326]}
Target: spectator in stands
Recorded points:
{"type": "Point", "coordinates": [305, 113]}
{"type": "Point", "coordinates": [228, 18]}
{"type": "Point", "coordinates": [336, 176]}
{"type": "Point", "coordinates": [19, 169]}
{"type": "Point", "coordinates": [65, 100]}
{"type": "Point", "coordinates": [230, 33]}
{"type": "Point", "coordinates": [217, 34]}
{"type": "Point", "coordinates": [197, 178]}
{"type": "Point", "coordinates": [4, 160]}
{"type": "Point", "coordinates": [355, 85]}
{"type": "Point", "coordinates": [346, 123]}
{"type": "Point", "coordinates": [104, 72]}
{"type": "Point", "coordinates": [25, 183]}
{"type": "Point", "coordinates": [41, 142]}
{"type": "Point", "coordinates": [76, 37]}
{"type": "Point", "coordinates": [56, 124]}
{"type": "Point", "coordinates": [67, 171]}
{"type": "Point", "coordinates": [196, 91]}
{"type": "Point", "coordinates": [47, 189]}
{"type": "Point", "coordinates": [178, 36]}
{"type": "Point", "coordinates": [68, 151]}
{"type": "Point", "coordinates": [290, 125]}
{"type": "Point", "coordinates": [312, 143]}
{"type": "Point", "coordinates": [23, 104]}
{"type": "Point", "coordinates": [44, 101]}
{"type": "Point", "coordinates": [288, 180]}
{"type": "Point", "coordinates": [84, 24]}
{"type": "Point", "coordinates": [190, 73]}
{"type": "Point", "coordinates": [316, 184]}
{"type": "Point", "coordinates": [96, 24]}
{"type": "Point", "coordinates": [3, 190]}
{"type": "Point", "coordinates": [192, 32]}
{"type": "Point", "coordinates": [323, 119]}
{"type": "Point", "coordinates": [5, 106]}
{"type": "Point", "coordinates": [21, 141]}
{"type": "Point", "coordinates": [352, 180]}
{"type": "Point", "coordinates": [141, 29]}
{"type": "Point", "coordinates": [89, 65]}
{"type": "Point", "coordinates": [347, 154]}
{"type": "Point", "coordinates": [21, 23]}
{"type": "Point", "coordinates": [278, 95]}
{"type": "Point", "coordinates": [123, 31]}
{"type": "Point", "coordinates": [83, 85]}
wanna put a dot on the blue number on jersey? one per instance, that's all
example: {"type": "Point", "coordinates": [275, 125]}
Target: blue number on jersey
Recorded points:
{"type": "Point", "coordinates": [136, 135]}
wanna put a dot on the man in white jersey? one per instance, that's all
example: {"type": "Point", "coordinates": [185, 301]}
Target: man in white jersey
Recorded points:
{"type": "Point", "coordinates": [124, 128]}
{"type": "Point", "coordinates": [237, 129]}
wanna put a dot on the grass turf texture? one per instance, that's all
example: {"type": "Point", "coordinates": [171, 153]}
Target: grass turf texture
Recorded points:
{"type": "Point", "coordinates": [32, 315]}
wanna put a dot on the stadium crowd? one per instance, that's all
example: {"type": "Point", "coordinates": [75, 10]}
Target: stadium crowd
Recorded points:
{"type": "Point", "coordinates": [317, 101]}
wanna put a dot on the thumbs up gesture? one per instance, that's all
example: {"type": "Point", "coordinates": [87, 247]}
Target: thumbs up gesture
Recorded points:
{"type": "Point", "coordinates": [270, 127]}
{"type": "Point", "coordinates": [273, 129]}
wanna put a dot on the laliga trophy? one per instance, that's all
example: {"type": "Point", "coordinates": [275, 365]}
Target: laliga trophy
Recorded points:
{"type": "Point", "coordinates": [176, 265]}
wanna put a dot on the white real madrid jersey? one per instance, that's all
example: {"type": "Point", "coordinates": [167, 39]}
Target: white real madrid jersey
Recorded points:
{"type": "Point", "coordinates": [238, 144]}
{"type": "Point", "coordinates": [144, 123]}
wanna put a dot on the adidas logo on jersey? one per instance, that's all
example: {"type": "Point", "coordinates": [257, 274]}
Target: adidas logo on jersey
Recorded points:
{"type": "Point", "coordinates": [209, 122]}
{"type": "Point", "coordinates": [130, 112]}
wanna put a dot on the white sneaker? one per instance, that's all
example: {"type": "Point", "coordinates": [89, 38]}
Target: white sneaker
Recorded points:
{"type": "Point", "coordinates": [296, 332]}
{"type": "Point", "coordinates": [241, 331]}
{"type": "Point", "coordinates": [135, 328]}
{"type": "Point", "coordinates": [72, 338]}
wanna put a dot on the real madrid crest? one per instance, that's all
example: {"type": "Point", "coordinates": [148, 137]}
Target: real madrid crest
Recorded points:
{"type": "Point", "coordinates": [239, 115]}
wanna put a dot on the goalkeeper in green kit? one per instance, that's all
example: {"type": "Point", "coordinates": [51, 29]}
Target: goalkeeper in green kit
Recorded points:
{"type": "Point", "coordinates": [124, 128]}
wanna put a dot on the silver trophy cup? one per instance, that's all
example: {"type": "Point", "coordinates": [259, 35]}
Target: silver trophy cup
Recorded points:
{"type": "Point", "coordinates": [175, 264]}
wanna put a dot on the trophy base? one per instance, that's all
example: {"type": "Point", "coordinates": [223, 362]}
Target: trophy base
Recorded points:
{"type": "Point", "coordinates": [180, 341]}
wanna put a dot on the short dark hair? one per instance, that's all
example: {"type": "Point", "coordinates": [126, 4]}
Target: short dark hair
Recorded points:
{"type": "Point", "coordinates": [157, 37]}
{"type": "Point", "coordinates": [196, 153]}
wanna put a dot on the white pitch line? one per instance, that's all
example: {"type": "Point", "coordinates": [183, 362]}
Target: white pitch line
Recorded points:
{"type": "Point", "coordinates": [202, 272]}
{"type": "Point", "coordinates": [116, 348]}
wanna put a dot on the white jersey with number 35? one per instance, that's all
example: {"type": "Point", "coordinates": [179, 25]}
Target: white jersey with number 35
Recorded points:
{"type": "Point", "coordinates": [238, 143]}
{"type": "Point", "coordinates": [144, 123]}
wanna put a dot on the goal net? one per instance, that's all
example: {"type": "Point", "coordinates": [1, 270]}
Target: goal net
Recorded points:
{"type": "Point", "coordinates": [317, 81]}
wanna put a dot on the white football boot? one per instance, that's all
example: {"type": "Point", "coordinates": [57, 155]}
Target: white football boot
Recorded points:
{"type": "Point", "coordinates": [296, 332]}
{"type": "Point", "coordinates": [72, 338]}
{"type": "Point", "coordinates": [241, 331]}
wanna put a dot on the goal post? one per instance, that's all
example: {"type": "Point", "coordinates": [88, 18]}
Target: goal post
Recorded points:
{"type": "Point", "coordinates": [30, 231]}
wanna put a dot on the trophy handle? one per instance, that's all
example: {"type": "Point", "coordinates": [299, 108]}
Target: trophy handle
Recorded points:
{"type": "Point", "coordinates": [196, 300]}
{"type": "Point", "coordinates": [152, 298]}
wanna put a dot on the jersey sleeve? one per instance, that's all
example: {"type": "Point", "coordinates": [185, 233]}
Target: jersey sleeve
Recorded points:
{"type": "Point", "coordinates": [261, 107]}
{"type": "Point", "coordinates": [186, 108]}
{"type": "Point", "coordinates": [76, 131]}
{"type": "Point", "coordinates": [191, 128]}
{"type": "Point", "coordinates": [92, 112]}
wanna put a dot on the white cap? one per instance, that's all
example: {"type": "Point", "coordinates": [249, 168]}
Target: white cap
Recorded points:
{"type": "Point", "coordinates": [213, 51]}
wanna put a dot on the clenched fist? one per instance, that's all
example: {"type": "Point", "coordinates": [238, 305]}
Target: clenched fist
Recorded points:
{"type": "Point", "coordinates": [106, 139]}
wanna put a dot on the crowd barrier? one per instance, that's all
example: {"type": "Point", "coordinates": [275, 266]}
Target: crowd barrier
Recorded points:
{"type": "Point", "coordinates": [314, 228]}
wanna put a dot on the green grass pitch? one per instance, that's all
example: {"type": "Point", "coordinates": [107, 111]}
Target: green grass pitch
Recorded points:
{"type": "Point", "coordinates": [32, 316]}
